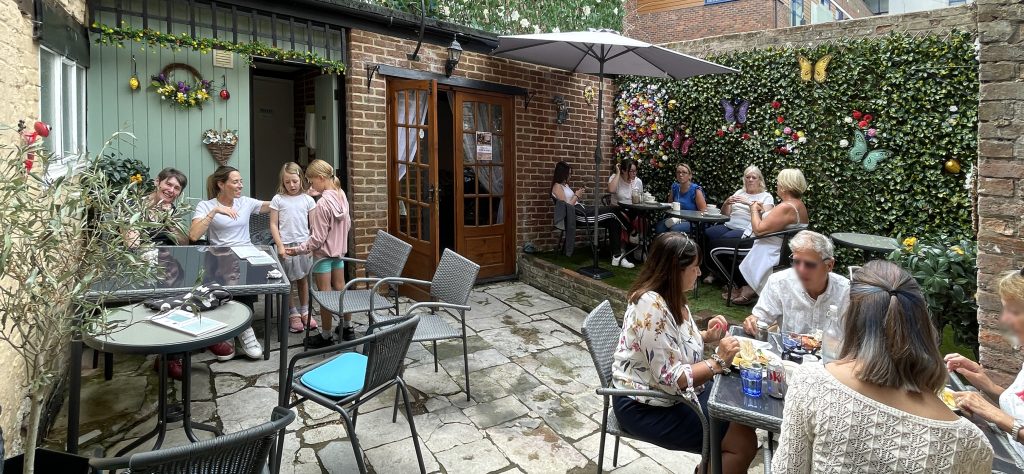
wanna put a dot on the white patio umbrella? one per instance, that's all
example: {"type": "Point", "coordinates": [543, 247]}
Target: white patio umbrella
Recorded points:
{"type": "Point", "coordinates": [602, 52]}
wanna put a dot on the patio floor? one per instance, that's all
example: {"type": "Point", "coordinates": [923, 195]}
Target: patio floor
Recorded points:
{"type": "Point", "coordinates": [533, 410]}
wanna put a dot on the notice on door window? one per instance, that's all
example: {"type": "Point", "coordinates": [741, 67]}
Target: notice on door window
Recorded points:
{"type": "Point", "coordinates": [483, 146]}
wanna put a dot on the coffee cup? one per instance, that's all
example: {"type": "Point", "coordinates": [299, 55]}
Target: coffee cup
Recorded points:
{"type": "Point", "coordinates": [713, 211]}
{"type": "Point", "coordinates": [675, 206]}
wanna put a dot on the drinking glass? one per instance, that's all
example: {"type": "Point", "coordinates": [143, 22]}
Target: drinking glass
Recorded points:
{"type": "Point", "coordinates": [751, 376]}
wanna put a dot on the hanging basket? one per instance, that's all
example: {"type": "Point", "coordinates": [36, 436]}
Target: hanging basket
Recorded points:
{"type": "Point", "coordinates": [221, 152]}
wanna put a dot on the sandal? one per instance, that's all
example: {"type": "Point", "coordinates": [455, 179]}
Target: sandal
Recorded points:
{"type": "Point", "coordinates": [295, 324]}
{"type": "Point", "coordinates": [308, 321]}
{"type": "Point", "coordinates": [743, 300]}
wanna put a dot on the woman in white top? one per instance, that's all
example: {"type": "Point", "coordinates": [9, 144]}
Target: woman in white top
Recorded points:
{"type": "Point", "coordinates": [224, 218]}
{"type": "Point", "coordinates": [1009, 415]}
{"type": "Point", "coordinates": [764, 254]}
{"type": "Point", "coordinates": [737, 207]}
{"type": "Point", "coordinates": [876, 409]}
{"type": "Point", "coordinates": [624, 182]}
{"type": "Point", "coordinates": [662, 349]}
{"type": "Point", "coordinates": [561, 191]}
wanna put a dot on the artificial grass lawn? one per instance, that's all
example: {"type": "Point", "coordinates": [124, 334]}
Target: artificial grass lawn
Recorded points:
{"type": "Point", "coordinates": [709, 297]}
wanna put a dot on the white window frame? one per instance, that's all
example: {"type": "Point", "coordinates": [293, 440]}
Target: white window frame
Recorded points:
{"type": "Point", "coordinates": [76, 122]}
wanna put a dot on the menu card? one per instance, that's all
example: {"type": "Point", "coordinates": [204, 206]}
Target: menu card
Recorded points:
{"type": "Point", "coordinates": [187, 322]}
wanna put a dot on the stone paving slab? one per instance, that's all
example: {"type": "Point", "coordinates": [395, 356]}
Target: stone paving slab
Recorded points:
{"type": "Point", "coordinates": [533, 406]}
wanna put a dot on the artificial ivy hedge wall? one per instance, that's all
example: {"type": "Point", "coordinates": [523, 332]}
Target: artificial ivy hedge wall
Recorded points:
{"type": "Point", "coordinates": [920, 94]}
{"type": "Point", "coordinates": [519, 16]}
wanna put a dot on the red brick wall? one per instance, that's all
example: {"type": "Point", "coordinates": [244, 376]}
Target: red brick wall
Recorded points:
{"type": "Point", "coordinates": [1000, 172]}
{"type": "Point", "coordinates": [700, 21]}
{"type": "Point", "coordinates": [540, 141]}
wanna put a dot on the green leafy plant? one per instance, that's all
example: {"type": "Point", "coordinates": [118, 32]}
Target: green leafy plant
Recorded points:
{"type": "Point", "coordinates": [948, 275]}
{"type": "Point", "coordinates": [122, 171]}
{"type": "Point", "coordinates": [60, 238]}
{"type": "Point", "coordinates": [117, 35]}
{"type": "Point", "coordinates": [518, 16]}
{"type": "Point", "coordinates": [921, 93]}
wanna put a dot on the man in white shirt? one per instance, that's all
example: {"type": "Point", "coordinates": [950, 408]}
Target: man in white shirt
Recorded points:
{"type": "Point", "coordinates": [802, 294]}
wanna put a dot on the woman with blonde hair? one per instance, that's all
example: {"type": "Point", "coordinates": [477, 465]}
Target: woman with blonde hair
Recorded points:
{"type": "Point", "coordinates": [329, 225]}
{"type": "Point", "coordinates": [875, 409]}
{"type": "Point", "coordinates": [1009, 415]}
{"type": "Point", "coordinates": [737, 207]}
{"type": "Point", "coordinates": [764, 254]}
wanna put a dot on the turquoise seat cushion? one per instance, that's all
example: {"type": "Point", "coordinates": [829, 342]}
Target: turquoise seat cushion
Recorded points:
{"type": "Point", "coordinates": [341, 377]}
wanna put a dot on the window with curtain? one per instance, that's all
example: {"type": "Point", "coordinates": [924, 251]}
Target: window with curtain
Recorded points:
{"type": "Point", "coordinates": [62, 106]}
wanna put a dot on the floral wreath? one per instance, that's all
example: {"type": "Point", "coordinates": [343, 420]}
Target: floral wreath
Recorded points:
{"type": "Point", "coordinates": [181, 94]}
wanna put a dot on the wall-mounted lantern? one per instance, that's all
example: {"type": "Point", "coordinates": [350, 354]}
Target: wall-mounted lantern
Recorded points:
{"type": "Point", "coordinates": [454, 54]}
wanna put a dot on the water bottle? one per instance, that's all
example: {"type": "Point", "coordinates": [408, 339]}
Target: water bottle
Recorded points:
{"type": "Point", "coordinates": [832, 338]}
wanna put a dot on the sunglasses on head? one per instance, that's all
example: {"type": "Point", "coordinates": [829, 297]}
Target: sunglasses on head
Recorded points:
{"type": "Point", "coordinates": [811, 264]}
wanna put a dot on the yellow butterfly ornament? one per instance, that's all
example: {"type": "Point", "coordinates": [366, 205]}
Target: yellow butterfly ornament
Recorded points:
{"type": "Point", "coordinates": [814, 70]}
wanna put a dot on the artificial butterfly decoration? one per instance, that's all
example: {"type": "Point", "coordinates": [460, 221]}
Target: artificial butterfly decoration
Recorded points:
{"type": "Point", "coordinates": [859, 152]}
{"type": "Point", "coordinates": [681, 142]}
{"type": "Point", "coordinates": [736, 110]}
{"type": "Point", "coordinates": [817, 70]}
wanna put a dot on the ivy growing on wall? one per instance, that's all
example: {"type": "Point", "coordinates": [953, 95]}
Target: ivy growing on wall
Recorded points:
{"type": "Point", "coordinates": [519, 16]}
{"type": "Point", "coordinates": [919, 94]}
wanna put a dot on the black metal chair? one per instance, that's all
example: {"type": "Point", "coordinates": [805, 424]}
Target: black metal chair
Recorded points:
{"type": "Point", "coordinates": [742, 248]}
{"type": "Point", "coordinates": [349, 379]}
{"type": "Point", "coordinates": [386, 259]}
{"type": "Point", "coordinates": [449, 291]}
{"type": "Point", "coordinates": [244, 452]}
{"type": "Point", "coordinates": [589, 222]}
{"type": "Point", "coordinates": [601, 332]}
{"type": "Point", "coordinates": [259, 229]}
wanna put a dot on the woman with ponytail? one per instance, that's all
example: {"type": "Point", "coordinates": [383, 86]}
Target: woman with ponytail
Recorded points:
{"type": "Point", "coordinates": [329, 223]}
{"type": "Point", "coordinates": [224, 218]}
{"type": "Point", "coordinates": [876, 409]}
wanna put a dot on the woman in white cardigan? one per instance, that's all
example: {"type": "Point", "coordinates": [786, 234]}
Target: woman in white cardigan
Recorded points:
{"type": "Point", "coordinates": [876, 409]}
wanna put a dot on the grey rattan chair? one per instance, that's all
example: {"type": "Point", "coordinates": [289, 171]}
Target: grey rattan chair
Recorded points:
{"type": "Point", "coordinates": [742, 248]}
{"type": "Point", "coordinates": [244, 452]}
{"type": "Point", "coordinates": [259, 229]}
{"type": "Point", "coordinates": [383, 352]}
{"type": "Point", "coordinates": [387, 258]}
{"type": "Point", "coordinates": [601, 331]}
{"type": "Point", "coordinates": [449, 291]}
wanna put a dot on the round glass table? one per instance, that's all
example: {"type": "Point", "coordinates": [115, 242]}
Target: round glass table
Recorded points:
{"type": "Point", "coordinates": [128, 330]}
{"type": "Point", "coordinates": [869, 244]}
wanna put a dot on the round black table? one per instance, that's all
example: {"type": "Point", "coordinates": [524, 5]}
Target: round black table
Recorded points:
{"type": "Point", "coordinates": [869, 244]}
{"type": "Point", "coordinates": [645, 210]}
{"type": "Point", "coordinates": [135, 334]}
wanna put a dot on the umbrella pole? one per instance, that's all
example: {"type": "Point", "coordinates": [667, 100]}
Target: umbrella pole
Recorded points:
{"type": "Point", "coordinates": [595, 271]}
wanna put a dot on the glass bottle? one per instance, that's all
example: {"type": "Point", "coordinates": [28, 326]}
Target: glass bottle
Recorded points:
{"type": "Point", "coordinates": [832, 338]}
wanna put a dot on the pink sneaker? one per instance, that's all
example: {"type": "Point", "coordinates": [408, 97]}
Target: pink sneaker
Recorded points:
{"type": "Point", "coordinates": [224, 350]}
{"type": "Point", "coordinates": [295, 324]}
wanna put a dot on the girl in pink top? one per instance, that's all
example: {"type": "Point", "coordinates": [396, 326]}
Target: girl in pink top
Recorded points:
{"type": "Point", "coordinates": [329, 224]}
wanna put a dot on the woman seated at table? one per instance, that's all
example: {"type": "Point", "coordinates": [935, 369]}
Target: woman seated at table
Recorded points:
{"type": "Point", "coordinates": [224, 218]}
{"type": "Point", "coordinates": [622, 183]}
{"type": "Point", "coordinates": [662, 349]}
{"type": "Point", "coordinates": [561, 191]}
{"type": "Point", "coordinates": [160, 208]}
{"type": "Point", "coordinates": [688, 194]}
{"type": "Point", "coordinates": [876, 409]}
{"type": "Point", "coordinates": [737, 207]}
{"type": "Point", "coordinates": [1009, 415]}
{"type": "Point", "coordinates": [764, 254]}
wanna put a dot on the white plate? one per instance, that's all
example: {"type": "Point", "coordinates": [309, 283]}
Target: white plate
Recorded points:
{"type": "Point", "coordinates": [764, 345]}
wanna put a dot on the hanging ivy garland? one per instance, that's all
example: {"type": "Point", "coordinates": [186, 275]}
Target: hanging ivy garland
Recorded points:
{"type": "Point", "coordinates": [118, 35]}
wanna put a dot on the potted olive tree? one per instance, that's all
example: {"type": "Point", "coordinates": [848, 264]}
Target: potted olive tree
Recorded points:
{"type": "Point", "coordinates": [60, 237]}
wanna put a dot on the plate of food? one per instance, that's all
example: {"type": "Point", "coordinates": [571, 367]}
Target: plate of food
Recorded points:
{"type": "Point", "coordinates": [946, 395]}
{"type": "Point", "coordinates": [750, 352]}
{"type": "Point", "coordinates": [808, 342]}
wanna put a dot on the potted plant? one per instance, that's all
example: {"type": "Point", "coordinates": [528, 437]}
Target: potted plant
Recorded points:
{"type": "Point", "coordinates": [61, 236]}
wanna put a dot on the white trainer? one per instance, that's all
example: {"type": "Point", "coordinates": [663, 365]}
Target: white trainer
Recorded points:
{"type": "Point", "coordinates": [621, 261]}
{"type": "Point", "coordinates": [250, 345]}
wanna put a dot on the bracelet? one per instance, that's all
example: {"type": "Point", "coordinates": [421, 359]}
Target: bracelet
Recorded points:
{"type": "Point", "coordinates": [1015, 430]}
{"type": "Point", "coordinates": [721, 363]}
{"type": "Point", "coordinates": [710, 367]}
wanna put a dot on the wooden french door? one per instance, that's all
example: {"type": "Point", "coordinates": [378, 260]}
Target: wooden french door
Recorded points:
{"type": "Point", "coordinates": [485, 214]}
{"type": "Point", "coordinates": [412, 171]}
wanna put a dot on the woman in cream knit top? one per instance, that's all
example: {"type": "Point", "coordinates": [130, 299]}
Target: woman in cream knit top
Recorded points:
{"type": "Point", "coordinates": [875, 410]}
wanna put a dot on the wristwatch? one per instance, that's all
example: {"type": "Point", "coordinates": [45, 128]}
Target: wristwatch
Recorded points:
{"type": "Point", "coordinates": [721, 363]}
{"type": "Point", "coordinates": [1015, 430]}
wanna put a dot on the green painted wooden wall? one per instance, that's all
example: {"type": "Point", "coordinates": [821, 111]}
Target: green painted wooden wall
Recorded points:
{"type": "Point", "coordinates": [165, 136]}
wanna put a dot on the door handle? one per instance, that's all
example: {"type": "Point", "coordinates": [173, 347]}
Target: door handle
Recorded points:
{"type": "Point", "coordinates": [431, 193]}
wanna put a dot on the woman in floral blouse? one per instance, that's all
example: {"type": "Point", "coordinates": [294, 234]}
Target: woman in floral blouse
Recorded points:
{"type": "Point", "coordinates": [662, 349]}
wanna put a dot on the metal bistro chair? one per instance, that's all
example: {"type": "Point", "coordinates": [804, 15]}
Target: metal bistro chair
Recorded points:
{"type": "Point", "coordinates": [344, 382]}
{"type": "Point", "coordinates": [244, 452]}
{"type": "Point", "coordinates": [386, 259]}
{"type": "Point", "coordinates": [601, 332]}
{"type": "Point", "coordinates": [742, 248]}
{"type": "Point", "coordinates": [449, 291]}
{"type": "Point", "coordinates": [586, 222]}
